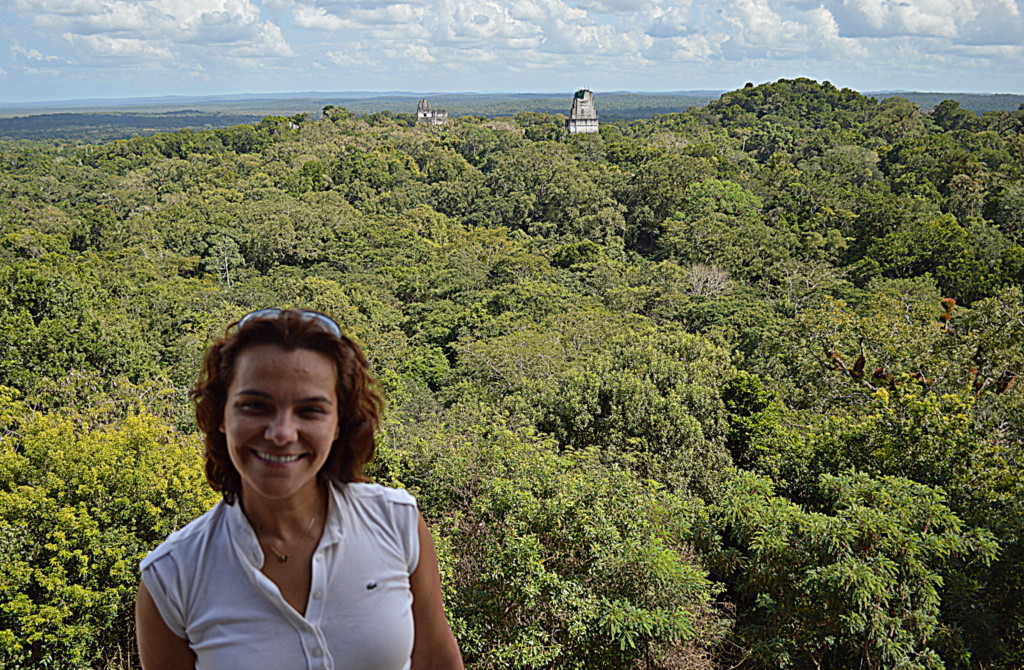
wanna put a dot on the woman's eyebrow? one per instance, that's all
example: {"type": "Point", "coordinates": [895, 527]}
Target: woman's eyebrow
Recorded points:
{"type": "Point", "coordinates": [255, 392]}
{"type": "Point", "coordinates": [317, 398]}
{"type": "Point", "coordinates": [268, 396]}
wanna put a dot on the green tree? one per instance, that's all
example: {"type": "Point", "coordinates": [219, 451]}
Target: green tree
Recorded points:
{"type": "Point", "coordinates": [81, 501]}
{"type": "Point", "coordinates": [556, 560]}
{"type": "Point", "coordinates": [852, 583]}
{"type": "Point", "coordinates": [721, 223]}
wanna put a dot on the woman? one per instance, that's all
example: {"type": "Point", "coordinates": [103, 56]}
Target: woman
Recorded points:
{"type": "Point", "coordinates": [303, 563]}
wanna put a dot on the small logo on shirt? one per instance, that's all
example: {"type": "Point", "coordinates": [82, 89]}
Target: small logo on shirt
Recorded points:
{"type": "Point", "coordinates": [371, 586]}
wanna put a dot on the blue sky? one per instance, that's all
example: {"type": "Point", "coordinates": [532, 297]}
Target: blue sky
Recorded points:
{"type": "Point", "coordinates": [73, 49]}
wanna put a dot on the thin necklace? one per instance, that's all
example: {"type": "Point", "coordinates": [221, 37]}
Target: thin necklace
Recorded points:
{"type": "Point", "coordinates": [284, 557]}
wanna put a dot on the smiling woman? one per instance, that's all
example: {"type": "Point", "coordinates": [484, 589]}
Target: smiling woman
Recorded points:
{"type": "Point", "coordinates": [280, 422]}
{"type": "Point", "coordinates": [289, 412]}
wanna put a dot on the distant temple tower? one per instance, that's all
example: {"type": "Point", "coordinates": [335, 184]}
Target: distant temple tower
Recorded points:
{"type": "Point", "coordinates": [433, 117]}
{"type": "Point", "coordinates": [583, 115]}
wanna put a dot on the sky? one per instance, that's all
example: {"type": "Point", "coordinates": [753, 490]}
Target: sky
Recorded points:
{"type": "Point", "coordinates": [76, 49]}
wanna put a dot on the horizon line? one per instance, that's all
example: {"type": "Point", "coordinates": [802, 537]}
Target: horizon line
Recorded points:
{"type": "Point", "coordinates": [297, 95]}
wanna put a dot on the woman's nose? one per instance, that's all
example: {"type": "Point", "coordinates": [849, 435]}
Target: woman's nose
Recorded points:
{"type": "Point", "coordinates": [281, 429]}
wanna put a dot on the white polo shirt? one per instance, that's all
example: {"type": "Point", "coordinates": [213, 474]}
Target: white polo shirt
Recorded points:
{"type": "Point", "coordinates": [206, 582]}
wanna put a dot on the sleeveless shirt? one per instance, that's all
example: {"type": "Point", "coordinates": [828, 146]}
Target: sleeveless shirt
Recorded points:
{"type": "Point", "coordinates": [206, 582]}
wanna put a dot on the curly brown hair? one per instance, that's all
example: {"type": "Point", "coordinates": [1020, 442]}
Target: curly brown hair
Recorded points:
{"type": "Point", "coordinates": [359, 401]}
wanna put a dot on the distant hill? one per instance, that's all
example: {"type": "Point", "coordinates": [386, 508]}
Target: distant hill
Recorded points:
{"type": "Point", "coordinates": [617, 104]}
{"type": "Point", "coordinates": [92, 120]}
{"type": "Point", "coordinates": [91, 127]}
{"type": "Point", "coordinates": [102, 120]}
{"type": "Point", "coordinates": [979, 103]}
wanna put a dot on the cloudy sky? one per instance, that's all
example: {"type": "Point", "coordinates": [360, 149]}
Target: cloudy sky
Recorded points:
{"type": "Point", "coordinates": [71, 49]}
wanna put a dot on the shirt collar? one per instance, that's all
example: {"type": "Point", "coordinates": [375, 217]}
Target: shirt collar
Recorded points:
{"type": "Point", "coordinates": [243, 536]}
{"type": "Point", "coordinates": [333, 527]}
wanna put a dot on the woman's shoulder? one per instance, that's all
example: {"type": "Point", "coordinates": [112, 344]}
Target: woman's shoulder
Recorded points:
{"type": "Point", "coordinates": [370, 491]}
{"type": "Point", "coordinates": [388, 516]}
{"type": "Point", "coordinates": [190, 535]}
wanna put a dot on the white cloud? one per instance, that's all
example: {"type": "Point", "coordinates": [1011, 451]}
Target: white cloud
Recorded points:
{"type": "Point", "coordinates": [1015, 51]}
{"type": "Point", "coordinates": [343, 7]}
{"type": "Point", "coordinates": [484, 25]}
{"type": "Point", "coordinates": [39, 72]}
{"type": "Point", "coordinates": [477, 56]}
{"type": "Point", "coordinates": [528, 10]}
{"type": "Point", "coordinates": [698, 48]}
{"type": "Point", "coordinates": [559, 10]}
{"type": "Point", "coordinates": [992, 21]}
{"type": "Point", "coordinates": [317, 18]}
{"type": "Point", "coordinates": [538, 31]}
{"type": "Point", "coordinates": [141, 28]}
{"type": "Point", "coordinates": [93, 18]}
{"type": "Point", "coordinates": [995, 22]}
{"type": "Point", "coordinates": [596, 40]}
{"type": "Point", "coordinates": [283, 6]}
{"type": "Point", "coordinates": [265, 40]}
{"type": "Point", "coordinates": [103, 46]}
{"type": "Point", "coordinates": [31, 54]}
{"type": "Point", "coordinates": [504, 44]}
{"type": "Point", "coordinates": [671, 22]}
{"type": "Point", "coordinates": [613, 6]}
{"type": "Point", "coordinates": [750, 29]}
{"type": "Point", "coordinates": [354, 54]}
{"type": "Point", "coordinates": [411, 53]}
{"type": "Point", "coordinates": [396, 14]}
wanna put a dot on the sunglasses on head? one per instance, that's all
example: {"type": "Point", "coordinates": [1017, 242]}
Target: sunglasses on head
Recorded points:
{"type": "Point", "coordinates": [326, 322]}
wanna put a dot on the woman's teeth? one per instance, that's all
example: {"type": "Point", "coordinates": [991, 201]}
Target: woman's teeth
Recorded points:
{"type": "Point", "coordinates": [278, 458]}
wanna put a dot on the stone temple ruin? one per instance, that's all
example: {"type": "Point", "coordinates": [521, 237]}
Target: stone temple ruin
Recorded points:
{"type": "Point", "coordinates": [432, 117]}
{"type": "Point", "coordinates": [583, 115]}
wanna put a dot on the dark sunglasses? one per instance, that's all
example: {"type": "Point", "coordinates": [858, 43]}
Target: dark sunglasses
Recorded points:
{"type": "Point", "coordinates": [326, 322]}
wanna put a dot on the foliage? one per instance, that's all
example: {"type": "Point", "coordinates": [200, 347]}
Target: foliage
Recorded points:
{"type": "Point", "coordinates": [853, 583]}
{"type": "Point", "coordinates": [81, 501]}
{"type": "Point", "coordinates": [728, 386]}
{"type": "Point", "coordinates": [557, 560]}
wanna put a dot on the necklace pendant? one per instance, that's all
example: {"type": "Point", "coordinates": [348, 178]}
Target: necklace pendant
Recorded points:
{"type": "Point", "coordinates": [281, 557]}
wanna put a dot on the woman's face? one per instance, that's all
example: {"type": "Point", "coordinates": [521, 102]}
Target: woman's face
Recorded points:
{"type": "Point", "coordinates": [280, 419]}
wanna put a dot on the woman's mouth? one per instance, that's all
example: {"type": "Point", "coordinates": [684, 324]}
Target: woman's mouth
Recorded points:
{"type": "Point", "coordinates": [277, 459]}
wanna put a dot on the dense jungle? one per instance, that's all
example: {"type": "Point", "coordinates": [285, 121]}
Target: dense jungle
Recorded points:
{"type": "Point", "coordinates": [734, 387]}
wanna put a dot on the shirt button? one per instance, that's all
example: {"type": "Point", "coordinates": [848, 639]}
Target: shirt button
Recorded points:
{"type": "Point", "coordinates": [318, 594]}
{"type": "Point", "coordinates": [319, 557]}
{"type": "Point", "coordinates": [318, 652]}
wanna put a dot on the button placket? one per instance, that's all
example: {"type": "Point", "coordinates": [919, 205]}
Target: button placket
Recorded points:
{"type": "Point", "coordinates": [318, 579]}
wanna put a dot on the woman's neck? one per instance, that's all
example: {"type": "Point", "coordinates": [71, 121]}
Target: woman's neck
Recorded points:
{"type": "Point", "coordinates": [295, 517]}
